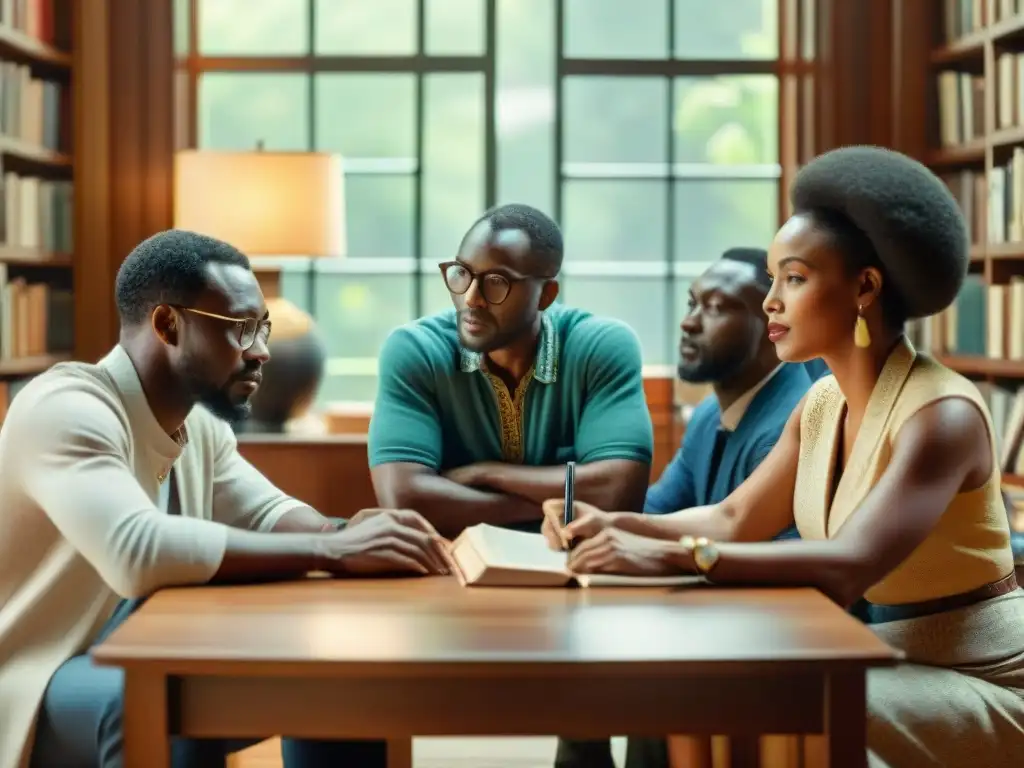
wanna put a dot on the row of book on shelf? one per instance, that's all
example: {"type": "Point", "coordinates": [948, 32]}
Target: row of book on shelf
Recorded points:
{"type": "Point", "coordinates": [994, 205]}
{"type": "Point", "coordinates": [961, 101]}
{"type": "Point", "coordinates": [36, 318]}
{"type": "Point", "coordinates": [34, 110]}
{"type": "Point", "coordinates": [984, 321]}
{"type": "Point", "coordinates": [46, 20]}
{"type": "Point", "coordinates": [964, 17]}
{"type": "Point", "coordinates": [36, 213]}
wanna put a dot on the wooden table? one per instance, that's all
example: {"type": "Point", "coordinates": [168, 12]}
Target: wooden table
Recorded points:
{"type": "Point", "coordinates": [427, 657]}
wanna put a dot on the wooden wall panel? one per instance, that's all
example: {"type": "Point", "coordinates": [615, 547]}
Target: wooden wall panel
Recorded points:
{"type": "Point", "coordinates": [329, 473]}
{"type": "Point", "coordinates": [660, 393]}
{"type": "Point", "coordinates": [123, 150]}
{"type": "Point", "coordinates": [912, 117]}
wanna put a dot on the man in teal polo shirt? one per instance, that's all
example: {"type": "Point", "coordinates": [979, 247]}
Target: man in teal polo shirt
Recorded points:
{"type": "Point", "coordinates": [479, 407]}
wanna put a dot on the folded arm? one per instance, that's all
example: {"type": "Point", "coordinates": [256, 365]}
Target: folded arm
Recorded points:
{"type": "Point", "coordinates": [611, 483]}
{"type": "Point", "coordinates": [614, 440]}
{"type": "Point", "coordinates": [73, 465]}
{"type": "Point", "coordinates": [449, 506]}
{"type": "Point", "coordinates": [405, 452]}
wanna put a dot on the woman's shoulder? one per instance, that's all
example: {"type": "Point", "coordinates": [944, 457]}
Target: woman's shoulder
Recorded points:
{"type": "Point", "coordinates": [929, 380]}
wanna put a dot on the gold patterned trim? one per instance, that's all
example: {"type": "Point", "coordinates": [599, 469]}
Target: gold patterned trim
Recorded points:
{"type": "Point", "coordinates": [820, 512]}
{"type": "Point", "coordinates": [511, 415]}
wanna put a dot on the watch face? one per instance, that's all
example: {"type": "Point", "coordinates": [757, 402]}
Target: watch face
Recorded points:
{"type": "Point", "coordinates": [705, 557]}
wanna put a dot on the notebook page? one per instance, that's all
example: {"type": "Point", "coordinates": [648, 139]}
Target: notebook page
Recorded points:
{"type": "Point", "coordinates": [504, 548]}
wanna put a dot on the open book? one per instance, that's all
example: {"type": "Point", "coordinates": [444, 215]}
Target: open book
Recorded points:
{"type": "Point", "coordinates": [488, 556]}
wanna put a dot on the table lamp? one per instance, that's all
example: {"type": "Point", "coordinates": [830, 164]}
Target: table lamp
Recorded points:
{"type": "Point", "coordinates": [263, 203]}
{"type": "Point", "coordinates": [282, 204]}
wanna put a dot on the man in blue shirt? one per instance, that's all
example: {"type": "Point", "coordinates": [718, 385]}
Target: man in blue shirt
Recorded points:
{"type": "Point", "coordinates": [725, 343]}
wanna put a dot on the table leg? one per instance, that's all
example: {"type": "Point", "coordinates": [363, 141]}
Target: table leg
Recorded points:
{"type": "Point", "coordinates": [846, 722]}
{"type": "Point", "coordinates": [147, 741]}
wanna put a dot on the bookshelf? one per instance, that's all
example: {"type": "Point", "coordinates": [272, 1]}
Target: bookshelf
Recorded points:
{"type": "Point", "coordinates": [976, 116]}
{"type": "Point", "coordinates": [37, 253]}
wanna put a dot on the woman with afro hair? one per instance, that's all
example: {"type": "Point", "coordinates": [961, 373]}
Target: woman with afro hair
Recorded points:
{"type": "Point", "coordinates": [888, 468]}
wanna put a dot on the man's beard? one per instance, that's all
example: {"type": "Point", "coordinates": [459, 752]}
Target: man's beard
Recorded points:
{"type": "Point", "coordinates": [219, 403]}
{"type": "Point", "coordinates": [217, 399]}
{"type": "Point", "coordinates": [705, 371]}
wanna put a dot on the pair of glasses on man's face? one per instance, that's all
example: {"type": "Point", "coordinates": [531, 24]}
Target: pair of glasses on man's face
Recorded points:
{"type": "Point", "coordinates": [493, 285]}
{"type": "Point", "coordinates": [249, 328]}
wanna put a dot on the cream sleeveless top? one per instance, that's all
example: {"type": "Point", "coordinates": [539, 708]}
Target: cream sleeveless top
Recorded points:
{"type": "Point", "coordinates": [970, 544]}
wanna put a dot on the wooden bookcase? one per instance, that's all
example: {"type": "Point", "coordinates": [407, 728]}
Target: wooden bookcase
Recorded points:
{"type": "Point", "coordinates": [36, 190]}
{"type": "Point", "coordinates": [976, 74]}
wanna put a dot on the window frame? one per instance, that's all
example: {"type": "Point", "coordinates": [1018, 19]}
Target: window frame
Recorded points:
{"type": "Point", "coordinates": [420, 64]}
{"type": "Point", "coordinates": [793, 67]}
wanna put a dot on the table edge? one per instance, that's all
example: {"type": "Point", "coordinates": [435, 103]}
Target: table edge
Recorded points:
{"type": "Point", "coordinates": [556, 668]}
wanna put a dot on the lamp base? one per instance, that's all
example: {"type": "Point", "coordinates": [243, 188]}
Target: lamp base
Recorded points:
{"type": "Point", "coordinates": [292, 376]}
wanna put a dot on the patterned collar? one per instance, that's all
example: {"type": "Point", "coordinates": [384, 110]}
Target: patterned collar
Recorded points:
{"type": "Point", "coordinates": [546, 365]}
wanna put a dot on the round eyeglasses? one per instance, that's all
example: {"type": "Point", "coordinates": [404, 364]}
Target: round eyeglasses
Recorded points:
{"type": "Point", "coordinates": [494, 286]}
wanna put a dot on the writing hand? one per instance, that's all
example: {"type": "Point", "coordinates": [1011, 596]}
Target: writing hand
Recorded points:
{"type": "Point", "coordinates": [587, 522]}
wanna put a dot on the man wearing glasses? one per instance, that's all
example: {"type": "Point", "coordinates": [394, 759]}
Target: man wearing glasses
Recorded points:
{"type": "Point", "coordinates": [100, 499]}
{"type": "Point", "coordinates": [479, 408]}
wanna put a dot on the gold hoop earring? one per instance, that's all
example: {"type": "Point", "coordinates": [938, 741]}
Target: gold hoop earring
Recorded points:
{"type": "Point", "coordinates": [861, 334]}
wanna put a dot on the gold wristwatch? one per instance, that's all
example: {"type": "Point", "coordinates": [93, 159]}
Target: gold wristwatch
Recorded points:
{"type": "Point", "coordinates": [703, 551]}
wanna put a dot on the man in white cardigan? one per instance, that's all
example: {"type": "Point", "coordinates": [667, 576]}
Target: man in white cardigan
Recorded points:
{"type": "Point", "coordinates": [113, 485]}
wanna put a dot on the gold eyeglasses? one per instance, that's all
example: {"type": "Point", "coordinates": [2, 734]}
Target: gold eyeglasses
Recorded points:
{"type": "Point", "coordinates": [249, 327]}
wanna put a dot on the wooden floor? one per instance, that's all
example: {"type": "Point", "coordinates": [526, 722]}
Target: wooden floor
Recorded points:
{"type": "Point", "coordinates": [446, 753]}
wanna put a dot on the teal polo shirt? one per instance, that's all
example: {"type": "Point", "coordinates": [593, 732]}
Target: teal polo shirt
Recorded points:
{"type": "Point", "coordinates": [583, 399]}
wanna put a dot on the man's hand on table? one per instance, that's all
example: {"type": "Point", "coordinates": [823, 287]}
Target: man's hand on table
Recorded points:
{"type": "Point", "coordinates": [386, 541]}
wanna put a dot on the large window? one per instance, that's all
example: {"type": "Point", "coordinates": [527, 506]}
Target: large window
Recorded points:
{"type": "Point", "coordinates": [647, 128]}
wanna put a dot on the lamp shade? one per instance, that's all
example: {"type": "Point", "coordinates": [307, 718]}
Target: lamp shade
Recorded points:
{"type": "Point", "coordinates": [263, 203]}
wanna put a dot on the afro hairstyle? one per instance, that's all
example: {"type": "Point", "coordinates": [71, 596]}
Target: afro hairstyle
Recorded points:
{"type": "Point", "coordinates": [883, 202]}
{"type": "Point", "coordinates": [169, 268]}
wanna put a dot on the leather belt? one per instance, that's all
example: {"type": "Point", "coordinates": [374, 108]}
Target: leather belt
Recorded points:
{"type": "Point", "coordinates": [879, 614]}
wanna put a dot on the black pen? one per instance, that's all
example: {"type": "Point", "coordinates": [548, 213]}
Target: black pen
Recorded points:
{"type": "Point", "coordinates": [570, 495]}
